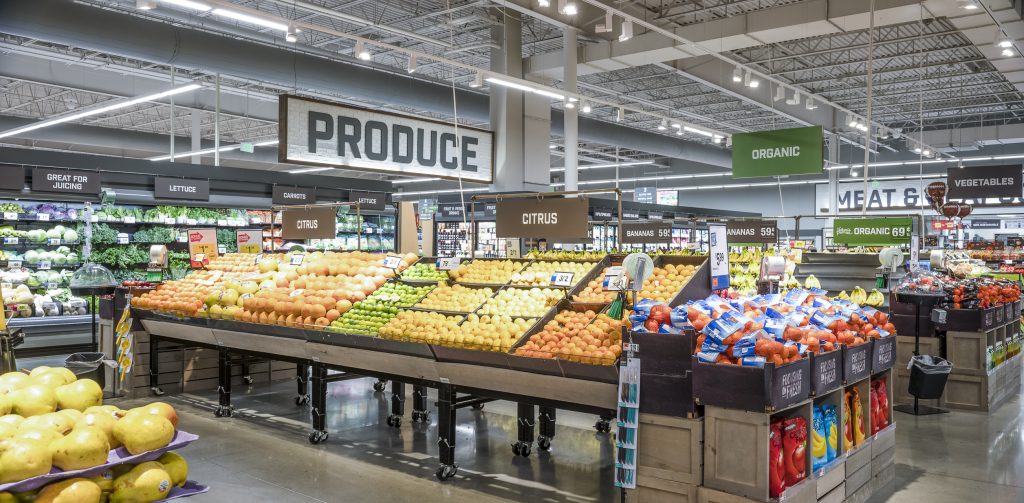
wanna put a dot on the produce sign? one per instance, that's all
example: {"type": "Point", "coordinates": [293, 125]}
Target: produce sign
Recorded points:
{"type": "Point", "coordinates": [368, 200]}
{"type": "Point", "coordinates": [793, 151]}
{"type": "Point", "coordinates": [548, 218]}
{"type": "Point", "coordinates": [65, 181]}
{"type": "Point", "coordinates": [202, 246]}
{"type": "Point", "coordinates": [719, 257]}
{"type": "Point", "coordinates": [947, 225]}
{"type": "Point", "coordinates": [978, 223]}
{"type": "Point", "coordinates": [668, 197]}
{"type": "Point", "coordinates": [645, 195]}
{"type": "Point", "coordinates": [330, 134]}
{"type": "Point", "coordinates": [752, 231]}
{"type": "Point", "coordinates": [293, 195]}
{"type": "Point", "coordinates": [249, 240]}
{"type": "Point", "coordinates": [602, 214]}
{"type": "Point", "coordinates": [649, 233]}
{"type": "Point", "coordinates": [309, 223]}
{"type": "Point", "coordinates": [871, 231]}
{"type": "Point", "coordinates": [12, 178]}
{"type": "Point", "coordinates": [180, 188]}
{"type": "Point", "coordinates": [981, 182]}
{"type": "Point", "coordinates": [451, 210]}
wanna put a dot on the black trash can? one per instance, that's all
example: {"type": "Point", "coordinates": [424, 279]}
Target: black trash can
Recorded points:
{"type": "Point", "coordinates": [88, 366]}
{"type": "Point", "coordinates": [928, 376]}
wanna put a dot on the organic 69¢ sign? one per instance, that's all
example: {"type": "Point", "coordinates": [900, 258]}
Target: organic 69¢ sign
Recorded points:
{"type": "Point", "coordinates": [330, 134]}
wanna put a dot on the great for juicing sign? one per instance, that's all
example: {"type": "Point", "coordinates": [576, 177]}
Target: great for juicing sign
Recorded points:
{"type": "Point", "coordinates": [329, 134]}
{"type": "Point", "coordinates": [871, 231]}
{"type": "Point", "coordinates": [793, 151]}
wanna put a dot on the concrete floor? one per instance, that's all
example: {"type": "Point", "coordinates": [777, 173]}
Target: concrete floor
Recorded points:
{"type": "Point", "coordinates": [262, 453]}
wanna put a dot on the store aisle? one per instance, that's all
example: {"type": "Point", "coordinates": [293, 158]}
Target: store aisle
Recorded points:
{"type": "Point", "coordinates": [262, 454]}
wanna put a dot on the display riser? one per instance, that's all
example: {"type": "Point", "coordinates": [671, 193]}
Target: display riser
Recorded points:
{"type": "Point", "coordinates": [661, 491]}
{"type": "Point", "coordinates": [804, 492]}
{"type": "Point", "coordinates": [831, 482]}
{"type": "Point", "coordinates": [968, 350]}
{"type": "Point", "coordinates": [669, 459]}
{"type": "Point", "coordinates": [984, 392]}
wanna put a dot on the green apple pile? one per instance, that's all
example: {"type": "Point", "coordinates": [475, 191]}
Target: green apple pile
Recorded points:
{"type": "Point", "coordinates": [399, 294]}
{"type": "Point", "coordinates": [424, 272]}
{"type": "Point", "coordinates": [365, 318]}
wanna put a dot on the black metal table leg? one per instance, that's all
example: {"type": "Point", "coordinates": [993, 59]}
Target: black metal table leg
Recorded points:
{"type": "Point", "coordinates": [547, 428]}
{"type": "Point", "coordinates": [380, 385]}
{"type": "Point", "coordinates": [526, 422]}
{"type": "Point", "coordinates": [319, 433]}
{"type": "Point", "coordinates": [419, 404]}
{"type": "Point", "coordinates": [446, 431]}
{"type": "Point", "coordinates": [603, 424]}
{"type": "Point", "coordinates": [154, 365]}
{"type": "Point", "coordinates": [397, 404]}
{"type": "Point", "coordinates": [302, 379]}
{"type": "Point", "coordinates": [246, 377]}
{"type": "Point", "coordinates": [223, 384]}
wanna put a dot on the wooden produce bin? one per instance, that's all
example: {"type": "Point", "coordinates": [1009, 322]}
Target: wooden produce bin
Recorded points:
{"type": "Point", "coordinates": [977, 382]}
{"type": "Point", "coordinates": [883, 354]}
{"type": "Point", "coordinates": [669, 459]}
{"type": "Point", "coordinates": [803, 492]}
{"type": "Point", "coordinates": [736, 449]}
{"type": "Point", "coordinates": [765, 390]}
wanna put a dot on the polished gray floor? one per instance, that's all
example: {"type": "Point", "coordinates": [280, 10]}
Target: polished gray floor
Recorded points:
{"type": "Point", "coordinates": [262, 454]}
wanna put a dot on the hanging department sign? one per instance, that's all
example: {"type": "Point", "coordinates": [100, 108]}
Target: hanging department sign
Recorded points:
{"type": "Point", "coordinates": [284, 194]}
{"type": "Point", "coordinates": [984, 181]}
{"type": "Point", "coordinates": [368, 200]}
{"type": "Point", "coordinates": [181, 188]}
{"type": "Point", "coordinates": [871, 231]}
{"type": "Point", "coordinates": [645, 195]}
{"type": "Point", "coordinates": [555, 219]}
{"type": "Point", "coordinates": [68, 181]}
{"type": "Point", "coordinates": [330, 134]}
{"type": "Point", "coordinates": [794, 151]}
{"type": "Point", "coordinates": [752, 231]}
{"type": "Point", "coordinates": [647, 233]}
{"type": "Point", "coordinates": [309, 223]}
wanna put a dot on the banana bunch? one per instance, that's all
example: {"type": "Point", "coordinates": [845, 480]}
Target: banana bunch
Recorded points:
{"type": "Point", "coordinates": [875, 298]}
{"type": "Point", "coordinates": [789, 282]}
{"type": "Point", "coordinates": [819, 448]}
{"type": "Point", "coordinates": [858, 296]}
{"type": "Point", "coordinates": [812, 282]}
{"type": "Point", "coordinates": [843, 295]}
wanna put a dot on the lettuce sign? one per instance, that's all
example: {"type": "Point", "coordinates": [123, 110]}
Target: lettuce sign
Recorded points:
{"type": "Point", "coordinates": [871, 231]}
{"type": "Point", "coordinates": [796, 151]}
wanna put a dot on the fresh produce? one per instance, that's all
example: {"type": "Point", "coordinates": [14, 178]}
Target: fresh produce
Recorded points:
{"type": "Point", "coordinates": [520, 302]}
{"type": "Point", "coordinates": [484, 271]}
{"type": "Point", "coordinates": [82, 448]}
{"type": "Point", "coordinates": [145, 482]}
{"type": "Point", "coordinates": [399, 294]}
{"type": "Point", "coordinates": [794, 449]}
{"type": "Point", "coordinates": [365, 318]}
{"type": "Point", "coordinates": [175, 466]}
{"type": "Point", "coordinates": [576, 336]}
{"type": "Point", "coordinates": [565, 255]}
{"type": "Point", "coordinates": [978, 293]}
{"type": "Point", "coordinates": [424, 327]}
{"type": "Point", "coordinates": [812, 282]}
{"type": "Point", "coordinates": [665, 282]}
{"type": "Point", "coordinates": [77, 490]}
{"type": "Point", "coordinates": [493, 333]}
{"type": "Point", "coordinates": [455, 298]}
{"type": "Point", "coordinates": [22, 458]}
{"type": "Point", "coordinates": [141, 432]}
{"type": "Point", "coordinates": [11, 208]}
{"type": "Point", "coordinates": [424, 271]}
{"type": "Point", "coordinates": [595, 292]}
{"type": "Point", "coordinates": [540, 273]}
{"type": "Point", "coordinates": [879, 405]}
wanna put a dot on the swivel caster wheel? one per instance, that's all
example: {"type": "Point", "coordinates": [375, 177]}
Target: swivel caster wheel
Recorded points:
{"type": "Point", "coordinates": [522, 449]}
{"type": "Point", "coordinates": [302, 400]}
{"type": "Point", "coordinates": [446, 472]}
{"type": "Point", "coordinates": [317, 436]}
{"type": "Point", "coordinates": [478, 406]}
{"type": "Point", "coordinates": [394, 421]}
{"type": "Point", "coordinates": [222, 411]}
{"type": "Point", "coordinates": [247, 379]}
{"type": "Point", "coordinates": [544, 444]}
{"type": "Point", "coordinates": [379, 386]}
{"type": "Point", "coordinates": [420, 417]}
{"type": "Point", "coordinates": [602, 426]}
{"type": "Point", "coordinates": [157, 391]}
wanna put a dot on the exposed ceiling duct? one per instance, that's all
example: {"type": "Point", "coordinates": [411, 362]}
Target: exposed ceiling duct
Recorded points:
{"type": "Point", "coordinates": [111, 32]}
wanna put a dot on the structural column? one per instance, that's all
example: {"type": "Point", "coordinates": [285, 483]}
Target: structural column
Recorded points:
{"type": "Point", "coordinates": [197, 136]}
{"type": "Point", "coordinates": [570, 118]}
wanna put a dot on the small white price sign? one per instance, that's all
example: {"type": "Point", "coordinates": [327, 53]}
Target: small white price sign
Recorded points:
{"type": "Point", "coordinates": [6, 286]}
{"type": "Point", "coordinates": [614, 278]}
{"type": "Point", "coordinates": [129, 220]}
{"type": "Point", "coordinates": [296, 292]}
{"type": "Point", "coordinates": [222, 223]}
{"type": "Point", "coordinates": [10, 240]}
{"type": "Point", "coordinates": [94, 218]}
{"type": "Point", "coordinates": [392, 261]}
{"type": "Point", "coordinates": [53, 241]}
{"type": "Point", "coordinates": [122, 238]}
{"type": "Point", "coordinates": [191, 221]}
{"type": "Point", "coordinates": [562, 278]}
{"type": "Point", "coordinates": [10, 215]}
{"type": "Point", "coordinates": [169, 221]}
{"type": "Point", "coordinates": [14, 264]}
{"type": "Point", "coordinates": [50, 285]}
{"type": "Point", "coordinates": [256, 220]}
{"type": "Point", "coordinates": [43, 217]}
{"type": "Point", "coordinates": [448, 263]}
{"type": "Point", "coordinates": [221, 250]}
{"type": "Point", "coordinates": [296, 259]}
{"type": "Point", "coordinates": [43, 265]}
{"type": "Point", "coordinates": [259, 256]}
{"type": "Point", "coordinates": [181, 238]}
{"type": "Point", "coordinates": [199, 257]}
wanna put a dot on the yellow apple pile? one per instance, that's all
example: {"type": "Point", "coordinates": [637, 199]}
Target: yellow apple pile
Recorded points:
{"type": "Point", "coordinates": [455, 298]}
{"type": "Point", "coordinates": [665, 282]}
{"type": "Point", "coordinates": [522, 302]}
{"type": "Point", "coordinates": [421, 326]}
{"type": "Point", "coordinates": [539, 273]}
{"type": "Point", "coordinates": [492, 333]}
{"type": "Point", "coordinates": [234, 262]}
{"type": "Point", "coordinates": [484, 271]}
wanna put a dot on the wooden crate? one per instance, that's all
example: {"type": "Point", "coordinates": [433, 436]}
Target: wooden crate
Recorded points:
{"type": "Point", "coordinates": [905, 348]}
{"type": "Point", "coordinates": [736, 449]}
{"type": "Point", "coordinates": [661, 491]}
{"type": "Point", "coordinates": [670, 449]}
{"type": "Point", "coordinates": [883, 442]}
{"type": "Point", "coordinates": [858, 479]}
{"type": "Point", "coordinates": [837, 495]}
{"type": "Point", "coordinates": [830, 478]}
{"type": "Point", "coordinates": [803, 492]}
{"type": "Point", "coordinates": [860, 495]}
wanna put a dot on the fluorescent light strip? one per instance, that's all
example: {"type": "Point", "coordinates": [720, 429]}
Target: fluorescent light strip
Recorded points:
{"type": "Point", "coordinates": [188, 4]}
{"type": "Point", "coordinates": [307, 170]}
{"type": "Point", "coordinates": [100, 110]}
{"type": "Point", "coordinates": [246, 18]}
{"type": "Point", "coordinates": [426, 192]}
{"type": "Point", "coordinates": [598, 166]}
{"type": "Point", "coordinates": [522, 87]}
{"type": "Point", "coordinates": [416, 180]}
{"type": "Point", "coordinates": [787, 183]}
{"type": "Point", "coordinates": [211, 150]}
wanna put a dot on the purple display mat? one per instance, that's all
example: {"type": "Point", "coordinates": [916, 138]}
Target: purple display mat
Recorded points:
{"type": "Point", "coordinates": [191, 488]}
{"type": "Point", "coordinates": [115, 457]}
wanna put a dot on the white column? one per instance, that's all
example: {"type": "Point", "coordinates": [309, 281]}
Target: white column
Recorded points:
{"type": "Point", "coordinates": [197, 136]}
{"type": "Point", "coordinates": [570, 117]}
{"type": "Point", "coordinates": [507, 106]}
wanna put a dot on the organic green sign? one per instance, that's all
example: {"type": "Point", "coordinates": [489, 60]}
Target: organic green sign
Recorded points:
{"type": "Point", "coordinates": [795, 151]}
{"type": "Point", "coordinates": [871, 231]}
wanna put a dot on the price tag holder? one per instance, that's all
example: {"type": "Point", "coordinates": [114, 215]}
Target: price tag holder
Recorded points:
{"type": "Point", "coordinates": [191, 221]}
{"type": "Point", "coordinates": [562, 278]}
{"type": "Point", "coordinates": [43, 217]}
{"type": "Point", "coordinates": [53, 241]}
{"type": "Point", "coordinates": [10, 240]}
{"type": "Point", "coordinates": [448, 263]}
{"type": "Point", "coordinates": [222, 223]}
{"type": "Point", "coordinates": [256, 220]}
{"type": "Point", "coordinates": [10, 215]}
{"type": "Point", "coordinates": [221, 250]}
{"type": "Point", "coordinates": [50, 285]}
{"type": "Point", "coordinates": [392, 261]}
{"type": "Point", "coordinates": [198, 260]}
{"type": "Point", "coordinates": [122, 238]}
{"type": "Point", "coordinates": [182, 238]}
{"type": "Point", "coordinates": [94, 218]}
{"type": "Point", "coordinates": [129, 220]}
{"type": "Point", "coordinates": [169, 221]}
{"type": "Point", "coordinates": [14, 264]}
{"type": "Point", "coordinates": [614, 278]}
{"type": "Point", "coordinates": [6, 286]}
{"type": "Point", "coordinates": [297, 259]}
{"type": "Point", "coordinates": [43, 265]}
{"type": "Point", "coordinates": [259, 256]}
